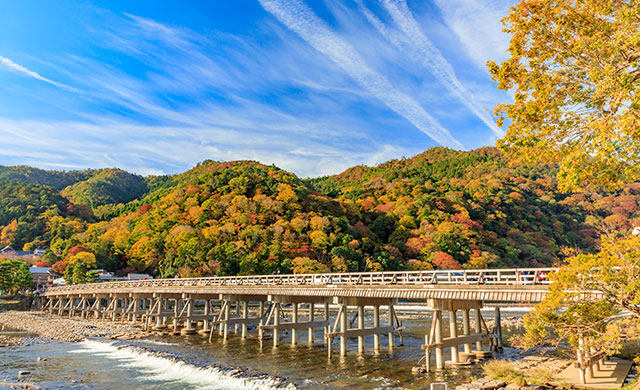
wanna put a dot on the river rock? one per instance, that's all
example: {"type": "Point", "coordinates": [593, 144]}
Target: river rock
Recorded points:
{"type": "Point", "coordinates": [63, 329]}
{"type": "Point", "coordinates": [483, 384]}
{"type": "Point", "coordinates": [418, 370]}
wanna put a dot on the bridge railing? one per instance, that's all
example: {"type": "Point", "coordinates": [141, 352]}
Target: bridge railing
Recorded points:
{"type": "Point", "coordinates": [517, 276]}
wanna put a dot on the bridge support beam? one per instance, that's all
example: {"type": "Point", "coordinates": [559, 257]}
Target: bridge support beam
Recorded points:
{"type": "Point", "coordinates": [466, 331]}
{"type": "Point", "coordinates": [498, 329]}
{"type": "Point", "coordinates": [241, 318]}
{"type": "Point", "coordinates": [453, 333]}
{"type": "Point", "coordinates": [341, 325]}
{"type": "Point", "coordinates": [277, 322]}
{"type": "Point", "coordinates": [435, 341]}
{"type": "Point", "coordinates": [188, 324]}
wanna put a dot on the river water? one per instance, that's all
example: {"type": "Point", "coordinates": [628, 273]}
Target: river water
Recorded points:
{"type": "Point", "coordinates": [191, 362]}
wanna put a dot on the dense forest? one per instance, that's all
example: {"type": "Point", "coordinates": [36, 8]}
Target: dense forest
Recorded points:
{"type": "Point", "coordinates": [439, 209]}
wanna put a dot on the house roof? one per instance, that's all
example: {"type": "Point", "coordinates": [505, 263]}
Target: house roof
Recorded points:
{"type": "Point", "coordinates": [39, 270]}
{"type": "Point", "coordinates": [139, 276]}
{"type": "Point", "coordinates": [110, 277]}
{"type": "Point", "coordinates": [7, 248]}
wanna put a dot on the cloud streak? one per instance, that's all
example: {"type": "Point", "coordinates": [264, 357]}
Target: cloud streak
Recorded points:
{"type": "Point", "coordinates": [173, 148]}
{"type": "Point", "coordinates": [416, 43]}
{"type": "Point", "coordinates": [21, 69]}
{"type": "Point", "coordinates": [300, 19]}
{"type": "Point", "coordinates": [477, 26]}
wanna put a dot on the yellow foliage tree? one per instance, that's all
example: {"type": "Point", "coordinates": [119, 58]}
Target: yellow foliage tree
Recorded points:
{"type": "Point", "coordinates": [574, 72]}
{"type": "Point", "coordinates": [572, 311]}
{"type": "Point", "coordinates": [88, 258]}
{"type": "Point", "coordinates": [305, 265]}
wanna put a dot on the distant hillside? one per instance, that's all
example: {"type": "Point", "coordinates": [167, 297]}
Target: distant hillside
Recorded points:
{"type": "Point", "coordinates": [37, 215]}
{"type": "Point", "coordinates": [106, 186]}
{"type": "Point", "coordinates": [474, 207]}
{"type": "Point", "coordinates": [55, 179]}
{"type": "Point", "coordinates": [228, 218]}
{"type": "Point", "coordinates": [439, 209]}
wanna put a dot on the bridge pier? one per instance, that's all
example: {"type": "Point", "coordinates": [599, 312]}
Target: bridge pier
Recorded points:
{"type": "Point", "coordinates": [435, 341]}
{"type": "Point", "coordinates": [206, 318]}
{"type": "Point", "coordinates": [341, 327]}
{"type": "Point", "coordinates": [498, 330]}
{"type": "Point", "coordinates": [188, 324]}
{"type": "Point", "coordinates": [241, 320]}
{"type": "Point", "coordinates": [161, 306]}
{"type": "Point", "coordinates": [274, 319]}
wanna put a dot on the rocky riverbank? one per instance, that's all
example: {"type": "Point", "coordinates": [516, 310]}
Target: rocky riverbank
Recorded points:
{"type": "Point", "coordinates": [6, 341]}
{"type": "Point", "coordinates": [64, 329]}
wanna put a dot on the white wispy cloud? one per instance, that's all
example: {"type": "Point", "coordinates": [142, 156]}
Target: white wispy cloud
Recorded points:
{"type": "Point", "coordinates": [419, 46]}
{"type": "Point", "coordinates": [300, 19]}
{"type": "Point", "coordinates": [477, 26]}
{"type": "Point", "coordinates": [226, 96]}
{"type": "Point", "coordinates": [21, 69]}
{"type": "Point", "coordinates": [172, 149]}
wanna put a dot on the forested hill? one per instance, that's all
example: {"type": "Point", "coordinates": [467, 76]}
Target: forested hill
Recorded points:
{"type": "Point", "coordinates": [107, 186]}
{"type": "Point", "coordinates": [55, 179]}
{"type": "Point", "coordinates": [440, 209]}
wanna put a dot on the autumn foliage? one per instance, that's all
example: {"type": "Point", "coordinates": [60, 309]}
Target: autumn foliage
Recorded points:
{"type": "Point", "coordinates": [442, 209]}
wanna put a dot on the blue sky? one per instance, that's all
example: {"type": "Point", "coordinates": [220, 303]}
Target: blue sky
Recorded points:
{"type": "Point", "coordinates": [154, 87]}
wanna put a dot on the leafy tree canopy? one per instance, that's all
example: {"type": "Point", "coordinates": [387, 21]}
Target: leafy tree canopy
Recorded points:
{"type": "Point", "coordinates": [575, 75]}
{"type": "Point", "coordinates": [572, 311]}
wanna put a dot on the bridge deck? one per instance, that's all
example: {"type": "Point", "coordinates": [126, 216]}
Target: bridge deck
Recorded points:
{"type": "Point", "coordinates": [507, 285]}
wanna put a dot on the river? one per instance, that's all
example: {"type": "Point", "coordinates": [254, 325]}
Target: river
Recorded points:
{"type": "Point", "coordinates": [169, 363]}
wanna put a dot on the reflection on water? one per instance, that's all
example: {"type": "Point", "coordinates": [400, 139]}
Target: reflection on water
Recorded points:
{"type": "Point", "coordinates": [193, 363]}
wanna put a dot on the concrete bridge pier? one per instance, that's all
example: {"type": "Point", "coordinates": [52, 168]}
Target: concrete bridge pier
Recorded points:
{"type": "Point", "coordinates": [478, 328]}
{"type": "Point", "coordinates": [453, 333]}
{"type": "Point", "coordinates": [160, 305]}
{"type": "Point", "coordinates": [376, 324]}
{"type": "Point", "coordinates": [176, 314]}
{"type": "Point", "coordinates": [466, 331]}
{"type": "Point", "coordinates": [206, 318]}
{"type": "Point", "coordinates": [498, 330]}
{"type": "Point", "coordinates": [133, 316]}
{"type": "Point", "coordinates": [311, 316]}
{"type": "Point", "coordinates": [97, 307]}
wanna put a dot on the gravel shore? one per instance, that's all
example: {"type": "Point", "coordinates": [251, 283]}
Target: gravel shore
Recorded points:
{"type": "Point", "coordinates": [65, 329]}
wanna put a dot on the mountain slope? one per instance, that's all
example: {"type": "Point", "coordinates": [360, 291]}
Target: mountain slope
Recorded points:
{"type": "Point", "coordinates": [36, 214]}
{"type": "Point", "coordinates": [226, 218]}
{"type": "Point", "coordinates": [55, 179]}
{"type": "Point", "coordinates": [439, 209]}
{"type": "Point", "coordinates": [471, 206]}
{"type": "Point", "coordinates": [106, 186]}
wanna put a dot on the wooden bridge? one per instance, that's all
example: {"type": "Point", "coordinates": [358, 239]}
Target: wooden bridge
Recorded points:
{"type": "Point", "coordinates": [295, 303]}
{"type": "Point", "coordinates": [277, 303]}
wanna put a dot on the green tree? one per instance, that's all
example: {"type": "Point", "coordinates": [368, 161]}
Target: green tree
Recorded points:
{"type": "Point", "coordinates": [49, 257]}
{"type": "Point", "coordinates": [92, 277]}
{"type": "Point", "coordinates": [22, 276]}
{"type": "Point", "coordinates": [575, 75]}
{"type": "Point", "coordinates": [79, 273]}
{"type": "Point", "coordinates": [14, 276]}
